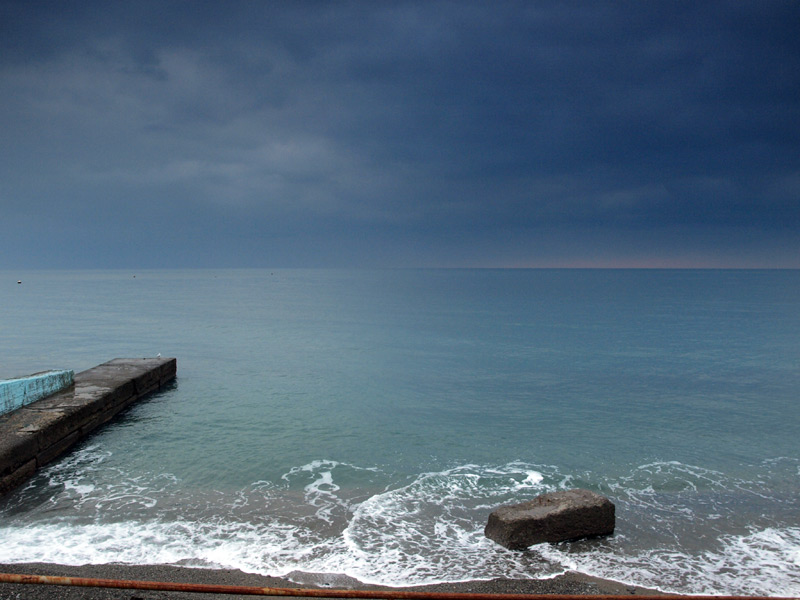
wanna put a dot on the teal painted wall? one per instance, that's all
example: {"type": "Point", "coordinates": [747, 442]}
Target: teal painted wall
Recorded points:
{"type": "Point", "coordinates": [16, 393]}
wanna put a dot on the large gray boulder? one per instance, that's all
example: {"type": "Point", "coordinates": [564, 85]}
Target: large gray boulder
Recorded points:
{"type": "Point", "coordinates": [554, 517]}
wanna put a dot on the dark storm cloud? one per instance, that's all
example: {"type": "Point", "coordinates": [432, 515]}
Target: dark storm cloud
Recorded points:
{"type": "Point", "coordinates": [402, 133]}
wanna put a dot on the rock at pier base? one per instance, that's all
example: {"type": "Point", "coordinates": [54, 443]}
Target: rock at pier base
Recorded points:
{"type": "Point", "coordinates": [554, 517]}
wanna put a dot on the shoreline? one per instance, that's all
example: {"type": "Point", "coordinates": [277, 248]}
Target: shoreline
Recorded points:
{"type": "Point", "coordinates": [568, 583]}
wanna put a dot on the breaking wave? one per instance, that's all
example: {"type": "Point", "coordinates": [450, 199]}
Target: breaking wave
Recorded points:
{"type": "Point", "coordinates": [680, 528]}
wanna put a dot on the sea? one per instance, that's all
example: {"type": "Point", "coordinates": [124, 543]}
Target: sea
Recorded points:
{"type": "Point", "coordinates": [330, 424]}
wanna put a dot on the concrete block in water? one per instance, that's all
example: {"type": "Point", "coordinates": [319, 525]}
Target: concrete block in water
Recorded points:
{"type": "Point", "coordinates": [554, 517]}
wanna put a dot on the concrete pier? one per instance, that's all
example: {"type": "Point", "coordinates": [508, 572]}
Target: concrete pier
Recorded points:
{"type": "Point", "coordinates": [34, 435]}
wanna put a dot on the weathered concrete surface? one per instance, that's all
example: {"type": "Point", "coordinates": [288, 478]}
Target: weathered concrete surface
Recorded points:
{"type": "Point", "coordinates": [40, 432]}
{"type": "Point", "coordinates": [554, 517]}
{"type": "Point", "coordinates": [21, 391]}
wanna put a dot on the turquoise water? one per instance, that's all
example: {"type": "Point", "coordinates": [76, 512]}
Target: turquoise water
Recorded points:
{"type": "Point", "coordinates": [366, 422]}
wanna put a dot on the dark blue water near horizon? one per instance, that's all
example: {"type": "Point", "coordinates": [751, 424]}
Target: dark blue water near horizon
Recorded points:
{"type": "Point", "coordinates": [364, 422]}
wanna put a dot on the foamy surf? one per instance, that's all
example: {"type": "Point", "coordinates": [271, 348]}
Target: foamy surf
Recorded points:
{"type": "Point", "coordinates": [762, 563]}
{"type": "Point", "coordinates": [333, 518]}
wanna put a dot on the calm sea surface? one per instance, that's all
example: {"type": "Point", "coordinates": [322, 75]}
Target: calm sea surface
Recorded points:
{"type": "Point", "coordinates": [366, 422]}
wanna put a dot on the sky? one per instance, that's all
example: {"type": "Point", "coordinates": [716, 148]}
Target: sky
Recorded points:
{"type": "Point", "coordinates": [183, 134]}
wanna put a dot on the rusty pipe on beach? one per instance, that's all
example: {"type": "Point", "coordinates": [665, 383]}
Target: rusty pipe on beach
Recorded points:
{"type": "Point", "coordinates": [203, 588]}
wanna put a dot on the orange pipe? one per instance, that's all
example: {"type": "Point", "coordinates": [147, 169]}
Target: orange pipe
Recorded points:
{"type": "Point", "coordinates": [204, 588]}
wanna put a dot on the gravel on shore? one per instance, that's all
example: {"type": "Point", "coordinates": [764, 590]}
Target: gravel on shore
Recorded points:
{"type": "Point", "coordinates": [569, 583]}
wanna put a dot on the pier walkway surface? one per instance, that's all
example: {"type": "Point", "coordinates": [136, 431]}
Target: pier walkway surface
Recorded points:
{"type": "Point", "coordinates": [34, 435]}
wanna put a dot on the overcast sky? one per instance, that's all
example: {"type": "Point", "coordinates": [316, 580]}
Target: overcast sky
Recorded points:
{"type": "Point", "coordinates": [393, 134]}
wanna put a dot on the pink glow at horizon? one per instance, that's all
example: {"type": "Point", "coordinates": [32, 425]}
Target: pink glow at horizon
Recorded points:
{"type": "Point", "coordinates": [649, 263]}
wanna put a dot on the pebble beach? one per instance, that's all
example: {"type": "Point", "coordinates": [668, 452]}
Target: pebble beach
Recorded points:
{"type": "Point", "coordinates": [569, 583]}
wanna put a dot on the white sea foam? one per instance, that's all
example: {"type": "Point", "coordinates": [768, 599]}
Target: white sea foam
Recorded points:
{"type": "Point", "coordinates": [534, 478]}
{"type": "Point", "coordinates": [407, 533]}
{"type": "Point", "coordinates": [81, 490]}
{"type": "Point", "coordinates": [762, 563]}
{"type": "Point", "coordinates": [430, 531]}
{"type": "Point", "coordinates": [220, 545]}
